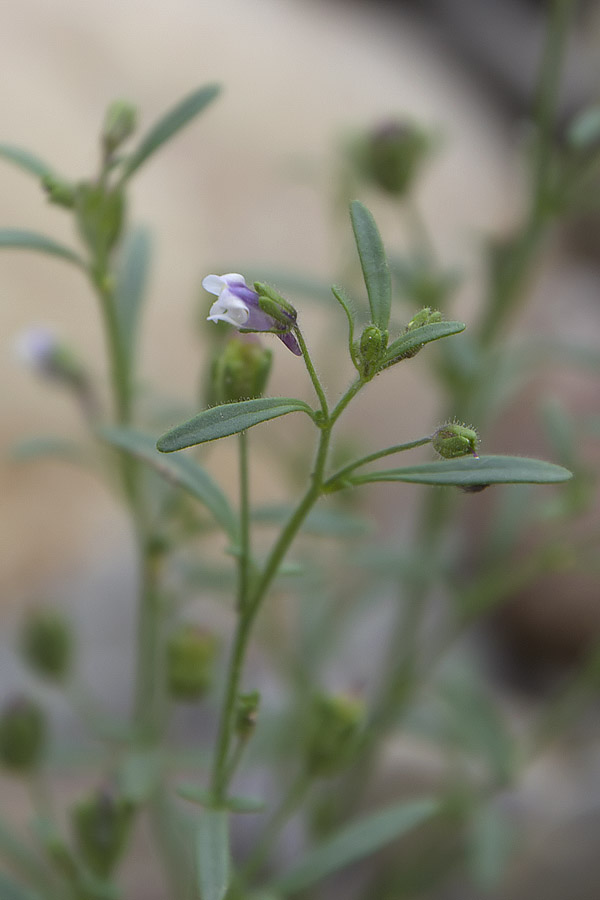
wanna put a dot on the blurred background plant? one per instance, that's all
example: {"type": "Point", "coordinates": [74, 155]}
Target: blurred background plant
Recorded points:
{"type": "Point", "coordinates": [357, 649]}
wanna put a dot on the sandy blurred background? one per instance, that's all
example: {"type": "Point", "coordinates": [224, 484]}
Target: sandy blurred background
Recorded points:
{"type": "Point", "coordinates": [245, 183]}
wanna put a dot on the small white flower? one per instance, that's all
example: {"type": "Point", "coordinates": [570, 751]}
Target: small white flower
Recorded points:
{"type": "Point", "coordinates": [238, 305]}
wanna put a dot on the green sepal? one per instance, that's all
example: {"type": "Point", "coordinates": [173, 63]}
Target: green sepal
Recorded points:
{"type": "Point", "coordinates": [265, 291]}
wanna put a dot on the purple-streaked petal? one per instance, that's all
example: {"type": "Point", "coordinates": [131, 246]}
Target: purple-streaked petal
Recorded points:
{"type": "Point", "coordinates": [290, 342]}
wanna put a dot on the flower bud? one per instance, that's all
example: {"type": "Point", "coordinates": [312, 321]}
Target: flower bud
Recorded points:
{"type": "Point", "coordinates": [61, 193]}
{"type": "Point", "coordinates": [332, 731]}
{"type": "Point", "coordinates": [101, 824]}
{"type": "Point", "coordinates": [119, 124]}
{"type": "Point", "coordinates": [425, 316]}
{"type": "Point", "coordinates": [46, 643]}
{"type": "Point", "coordinates": [392, 155]}
{"type": "Point", "coordinates": [99, 214]}
{"type": "Point", "coordinates": [454, 439]}
{"type": "Point", "coordinates": [240, 372]}
{"type": "Point", "coordinates": [22, 735]}
{"type": "Point", "coordinates": [246, 714]}
{"type": "Point", "coordinates": [191, 653]}
{"type": "Point", "coordinates": [372, 345]}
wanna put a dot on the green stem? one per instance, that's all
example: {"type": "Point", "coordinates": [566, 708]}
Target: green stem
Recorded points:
{"type": "Point", "coordinates": [518, 258]}
{"type": "Point", "coordinates": [397, 448]}
{"type": "Point", "coordinates": [222, 770]}
{"type": "Point", "coordinates": [547, 97]}
{"type": "Point", "coordinates": [244, 548]}
{"type": "Point", "coordinates": [313, 374]}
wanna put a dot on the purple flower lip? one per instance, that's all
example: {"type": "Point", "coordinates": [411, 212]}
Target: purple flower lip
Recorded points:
{"type": "Point", "coordinates": [238, 305]}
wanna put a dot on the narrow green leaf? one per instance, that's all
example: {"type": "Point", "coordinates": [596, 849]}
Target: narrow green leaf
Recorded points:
{"type": "Point", "coordinates": [36, 448]}
{"type": "Point", "coordinates": [414, 340]}
{"type": "Point", "coordinates": [10, 890]}
{"type": "Point", "coordinates": [472, 470]}
{"type": "Point", "coordinates": [213, 854]}
{"type": "Point", "coordinates": [374, 264]}
{"type": "Point", "coordinates": [230, 418]}
{"type": "Point", "coordinates": [355, 842]}
{"type": "Point", "coordinates": [15, 239]}
{"type": "Point", "coordinates": [169, 125]}
{"type": "Point", "coordinates": [491, 844]}
{"type": "Point", "coordinates": [25, 160]}
{"type": "Point", "coordinates": [179, 470]}
{"type": "Point", "coordinates": [132, 278]}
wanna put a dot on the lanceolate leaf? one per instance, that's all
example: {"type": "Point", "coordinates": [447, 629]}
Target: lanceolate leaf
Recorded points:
{"type": "Point", "coordinates": [169, 125]}
{"type": "Point", "coordinates": [470, 470]}
{"type": "Point", "coordinates": [36, 448]}
{"type": "Point", "coordinates": [15, 239]}
{"type": "Point", "coordinates": [213, 854]}
{"type": "Point", "coordinates": [180, 470]}
{"type": "Point", "coordinates": [132, 276]}
{"type": "Point", "coordinates": [25, 160]}
{"type": "Point", "coordinates": [414, 340]}
{"type": "Point", "coordinates": [230, 418]}
{"type": "Point", "coordinates": [355, 842]}
{"type": "Point", "coordinates": [374, 264]}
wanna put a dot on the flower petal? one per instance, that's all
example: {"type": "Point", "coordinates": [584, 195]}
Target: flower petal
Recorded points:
{"type": "Point", "coordinates": [214, 284]}
{"type": "Point", "coordinates": [290, 342]}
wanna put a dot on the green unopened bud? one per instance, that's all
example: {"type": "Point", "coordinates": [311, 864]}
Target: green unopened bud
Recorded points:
{"type": "Point", "coordinates": [101, 824]}
{"type": "Point", "coordinates": [191, 653]}
{"type": "Point", "coordinates": [454, 439]}
{"type": "Point", "coordinates": [119, 124]}
{"type": "Point", "coordinates": [100, 214]}
{"type": "Point", "coordinates": [332, 731]}
{"type": "Point", "coordinates": [46, 643]}
{"type": "Point", "coordinates": [240, 372]}
{"type": "Point", "coordinates": [372, 345]}
{"type": "Point", "coordinates": [246, 714]}
{"type": "Point", "coordinates": [425, 316]}
{"type": "Point", "coordinates": [61, 193]}
{"type": "Point", "coordinates": [22, 735]}
{"type": "Point", "coordinates": [392, 155]}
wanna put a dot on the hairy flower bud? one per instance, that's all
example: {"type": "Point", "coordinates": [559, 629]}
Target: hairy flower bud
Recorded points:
{"type": "Point", "coordinates": [119, 124]}
{"type": "Point", "coordinates": [454, 439]}
{"type": "Point", "coordinates": [191, 653]}
{"type": "Point", "coordinates": [22, 735]}
{"type": "Point", "coordinates": [240, 372]}
{"type": "Point", "coordinates": [392, 155]}
{"type": "Point", "coordinates": [46, 643]}
{"type": "Point", "coordinates": [101, 824]}
{"type": "Point", "coordinates": [61, 193]}
{"type": "Point", "coordinates": [332, 730]}
{"type": "Point", "coordinates": [372, 345]}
